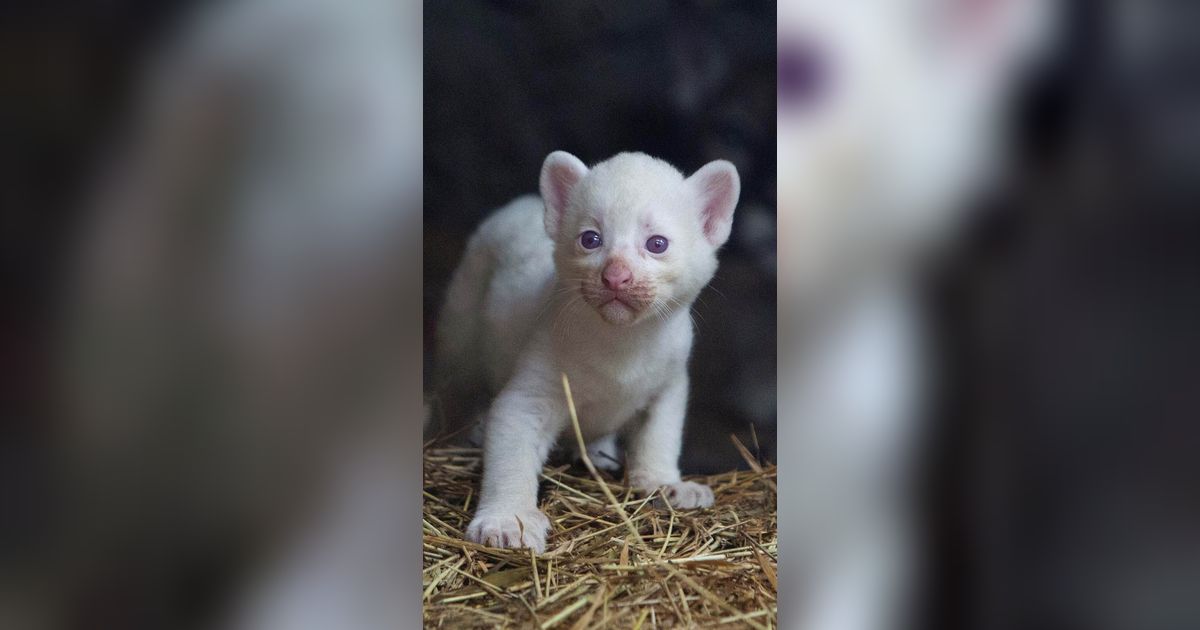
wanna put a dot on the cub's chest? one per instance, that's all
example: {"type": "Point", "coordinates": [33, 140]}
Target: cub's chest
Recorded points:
{"type": "Point", "coordinates": [622, 386]}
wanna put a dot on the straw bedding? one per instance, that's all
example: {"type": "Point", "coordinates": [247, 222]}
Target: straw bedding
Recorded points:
{"type": "Point", "coordinates": [613, 559]}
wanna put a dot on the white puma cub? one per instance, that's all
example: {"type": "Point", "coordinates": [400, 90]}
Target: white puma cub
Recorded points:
{"type": "Point", "coordinates": [594, 280]}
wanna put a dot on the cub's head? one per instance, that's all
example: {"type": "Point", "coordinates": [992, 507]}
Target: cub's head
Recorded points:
{"type": "Point", "coordinates": [632, 234]}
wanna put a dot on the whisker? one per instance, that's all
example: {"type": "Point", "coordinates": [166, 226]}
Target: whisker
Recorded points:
{"type": "Point", "coordinates": [694, 314]}
{"type": "Point", "coordinates": [556, 332]}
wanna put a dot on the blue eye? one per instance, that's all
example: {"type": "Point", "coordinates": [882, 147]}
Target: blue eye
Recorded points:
{"type": "Point", "coordinates": [657, 244]}
{"type": "Point", "coordinates": [590, 239]}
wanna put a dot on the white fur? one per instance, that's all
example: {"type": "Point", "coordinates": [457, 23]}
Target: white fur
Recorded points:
{"type": "Point", "coordinates": [528, 304]}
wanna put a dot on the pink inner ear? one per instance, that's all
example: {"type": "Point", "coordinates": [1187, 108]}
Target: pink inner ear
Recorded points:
{"type": "Point", "coordinates": [718, 189]}
{"type": "Point", "coordinates": [562, 179]}
{"type": "Point", "coordinates": [561, 173]}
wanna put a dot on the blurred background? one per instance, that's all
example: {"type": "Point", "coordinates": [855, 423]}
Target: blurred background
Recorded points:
{"type": "Point", "coordinates": [1034, 177]}
{"type": "Point", "coordinates": [506, 83]}
{"type": "Point", "coordinates": [1063, 478]}
{"type": "Point", "coordinates": [211, 357]}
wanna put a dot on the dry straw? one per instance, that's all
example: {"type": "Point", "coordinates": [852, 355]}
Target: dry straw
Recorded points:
{"type": "Point", "coordinates": [614, 559]}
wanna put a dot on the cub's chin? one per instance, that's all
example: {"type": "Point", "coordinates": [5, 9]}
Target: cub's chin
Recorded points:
{"type": "Point", "coordinates": [618, 313]}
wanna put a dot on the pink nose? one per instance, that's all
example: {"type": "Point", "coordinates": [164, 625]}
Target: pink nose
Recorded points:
{"type": "Point", "coordinates": [617, 275]}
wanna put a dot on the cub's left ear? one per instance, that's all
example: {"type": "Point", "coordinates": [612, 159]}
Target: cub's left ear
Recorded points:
{"type": "Point", "coordinates": [717, 187]}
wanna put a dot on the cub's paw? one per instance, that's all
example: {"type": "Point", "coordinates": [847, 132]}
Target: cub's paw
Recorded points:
{"type": "Point", "coordinates": [510, 529]}
{"type": "Point", "coordinates": [686, 495]}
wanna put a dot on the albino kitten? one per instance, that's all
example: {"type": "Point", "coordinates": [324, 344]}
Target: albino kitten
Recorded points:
{"type": "Point", "coordinates": [605, 300]}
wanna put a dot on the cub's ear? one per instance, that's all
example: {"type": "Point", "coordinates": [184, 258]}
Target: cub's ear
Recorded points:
{"type": "Point", "coordinates": [717, 187]}
{"type": "Point", "coordinates": [561, 172]}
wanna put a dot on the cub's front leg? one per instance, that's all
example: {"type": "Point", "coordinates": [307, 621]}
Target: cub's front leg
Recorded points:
{"type": "Point", "coordinates": [521, 426]}
{"type": "Point", "coordinates": [654, 445]}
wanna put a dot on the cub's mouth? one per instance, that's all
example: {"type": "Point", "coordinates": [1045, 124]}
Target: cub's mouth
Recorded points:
{"type": "Point", "coordinates": [622, 306]}
{"type": "Point", "coordinates": [617, 300]}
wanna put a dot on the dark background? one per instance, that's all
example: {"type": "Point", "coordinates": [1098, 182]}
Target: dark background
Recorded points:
{"type": "Point", "coordinates": [67, 71]}
{"type": "Point", "coordinates": [506, 83]}
{"type": "Point", "coordinates": [1064, 480]}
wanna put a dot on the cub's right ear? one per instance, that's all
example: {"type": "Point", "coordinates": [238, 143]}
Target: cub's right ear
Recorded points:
{"type": "Point", "coordinates": [561, 172]}
{"type": "Point", "coordinates": [718, 186]}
